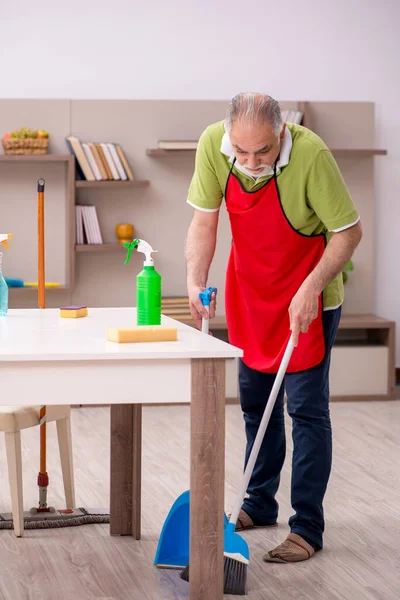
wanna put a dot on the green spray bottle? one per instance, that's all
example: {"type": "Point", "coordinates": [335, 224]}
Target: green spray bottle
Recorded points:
{"type": "Point", "coordinates": [148, 285]}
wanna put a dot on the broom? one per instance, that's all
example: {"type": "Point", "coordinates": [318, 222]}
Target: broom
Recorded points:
{"type": "Point", "coordinates": [236, 550]}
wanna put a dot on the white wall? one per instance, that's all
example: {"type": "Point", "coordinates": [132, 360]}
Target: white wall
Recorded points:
{"type": "Point", "coordinates": [182, 49]}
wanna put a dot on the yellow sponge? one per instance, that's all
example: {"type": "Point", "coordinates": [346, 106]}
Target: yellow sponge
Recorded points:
{"type": "Point", "coordinates": [142, 333]}
{"type": "Point", "coordinates": [73, 312]}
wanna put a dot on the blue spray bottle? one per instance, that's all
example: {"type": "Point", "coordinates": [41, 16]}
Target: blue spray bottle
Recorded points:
{"type": "Point", "coordinates": [3, 285]}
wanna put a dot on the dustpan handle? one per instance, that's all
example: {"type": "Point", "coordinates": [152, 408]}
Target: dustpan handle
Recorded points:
{"type": "Point", "coordinates": [205, 298]}
{"type": "Point", "coordinates": [205, 323]}
{"type": "Point", "coordinates": [261, 430]}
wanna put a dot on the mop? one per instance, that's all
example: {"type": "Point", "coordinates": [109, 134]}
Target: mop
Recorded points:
{"type": "Point", "coordinates": [44, 516]}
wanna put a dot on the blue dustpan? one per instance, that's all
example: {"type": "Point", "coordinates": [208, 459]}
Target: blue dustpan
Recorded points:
{"type": "Point", "coordinates": [173, 545]}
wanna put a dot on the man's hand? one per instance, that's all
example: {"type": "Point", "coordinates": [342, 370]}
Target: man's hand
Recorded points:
{"type": "Point", "coordinates": [304, 307]}
{"type": "Point", "coordinates": [197, 309]}
{"type": "Point", "coordinates": [302, 311]}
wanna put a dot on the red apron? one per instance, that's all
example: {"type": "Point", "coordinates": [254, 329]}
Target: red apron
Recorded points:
{"type": "Point", "coordinates": [269, 261]}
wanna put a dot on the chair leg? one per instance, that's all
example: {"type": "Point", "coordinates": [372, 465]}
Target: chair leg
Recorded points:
{"type": "Point", "coordinates": [14, 460]}
{"type": "Point", "coordinates": [67, 466]}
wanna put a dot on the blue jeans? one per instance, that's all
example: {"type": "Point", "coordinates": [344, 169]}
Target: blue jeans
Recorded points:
{"type": "Point", "coordinates": [308, 406]}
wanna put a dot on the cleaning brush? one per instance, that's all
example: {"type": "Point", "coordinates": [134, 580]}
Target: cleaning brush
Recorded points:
{"type": "Point", "coordinates": [236, 550]}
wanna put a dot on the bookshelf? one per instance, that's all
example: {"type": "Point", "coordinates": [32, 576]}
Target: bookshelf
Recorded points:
{"type": "Point", "coordinates": [162, 152]}
{"type": "Point", "coordinates": [72, 186]}
{"type": "Point", "coordinates": [35, 158]}
{"type": "Point", "coordinates": [100, 185]}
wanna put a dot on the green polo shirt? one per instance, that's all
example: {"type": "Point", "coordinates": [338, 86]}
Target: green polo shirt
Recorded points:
{"type": "Point", "coordinates": [313, 194]}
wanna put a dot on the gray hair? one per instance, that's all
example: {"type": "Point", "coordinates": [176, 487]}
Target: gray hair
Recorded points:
{"type": "Point", "coordinates": [256, 109]}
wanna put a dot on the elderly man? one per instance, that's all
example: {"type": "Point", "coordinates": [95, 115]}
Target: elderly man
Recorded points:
{"type": "Point", "coordinates": [294, 227]}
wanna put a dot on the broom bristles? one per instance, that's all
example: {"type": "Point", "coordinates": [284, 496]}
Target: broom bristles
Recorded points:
{"type": "Point", "coordinates": [235, 576]}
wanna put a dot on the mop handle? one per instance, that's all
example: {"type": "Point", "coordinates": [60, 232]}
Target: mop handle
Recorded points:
{"type": "Point", "coordinates": [41, 286]}
{"type": "Point", "coordinates": [42, 416]}
{"type": "Point", "coordinates": [261, 430]}
{"type": "Point", "coordinates": [42, 304]}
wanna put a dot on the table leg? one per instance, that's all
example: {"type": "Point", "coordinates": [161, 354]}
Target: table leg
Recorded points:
{"type": "Point", "coordinates": [137, 472]}
{"type": "Point", "coordinates": [126, 460]}
{"type": "Point", "coordinates": [207, 479]}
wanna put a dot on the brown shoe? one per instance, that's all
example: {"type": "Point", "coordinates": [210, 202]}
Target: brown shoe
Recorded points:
{"type": "Point", "coordinates": [293, 549]}
{"type": "Point", "coordinates": [245, 522]}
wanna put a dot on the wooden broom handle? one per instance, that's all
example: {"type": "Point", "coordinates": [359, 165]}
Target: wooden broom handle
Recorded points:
{"type": "Point", "coordinates": [41, 282]}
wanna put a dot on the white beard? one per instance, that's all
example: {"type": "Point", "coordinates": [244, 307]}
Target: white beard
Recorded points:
{"type": "Point", "coordinates": [267, 170]}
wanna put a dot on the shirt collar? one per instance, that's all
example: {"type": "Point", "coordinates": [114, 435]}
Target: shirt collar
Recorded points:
{"type": "Point", "coordinates": [284, 156]}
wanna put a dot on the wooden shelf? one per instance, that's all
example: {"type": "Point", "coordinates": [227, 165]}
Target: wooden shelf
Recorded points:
{"type": "Point", "coordinates": [356, 151]}
{"type": "Point", "coordinates": [112, 184]}
{"type": "Point", "coordinates": [359, 151]}
{"type": "Point", "coordinates": [219, 322]}
{"type": "Point", "coordinates": [346, 322]}
{"type": "Point", "coordinates": [164, 152]}
{"type": "Point", "coordinates": [61, 288]}
{"type": "Point", "coordinates": [363, 322]}
{"type": "Point", "coordinates": [35, 157]}
{"type": "Point", "coordinates": [99, 247]}
{"type": "Point", "coordinates": [366, 338]}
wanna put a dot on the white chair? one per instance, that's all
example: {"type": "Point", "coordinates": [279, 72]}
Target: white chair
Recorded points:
{"type": "Point", "coordinates": [12, 420]}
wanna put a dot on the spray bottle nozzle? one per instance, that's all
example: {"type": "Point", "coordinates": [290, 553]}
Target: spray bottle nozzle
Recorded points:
{"type": "Point", "coordinates": [141, 246]}
{"type": "Point", "coordinates": [4, 237]}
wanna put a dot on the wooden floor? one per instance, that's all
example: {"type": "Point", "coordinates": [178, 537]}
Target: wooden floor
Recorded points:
{"type": "Point", "coordinates": [361, 559]}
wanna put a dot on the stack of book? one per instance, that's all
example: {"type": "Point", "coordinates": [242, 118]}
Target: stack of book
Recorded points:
{"type": "Point", "coordinates": [99, 162]}
{"type": "Point", "coordinates": [176, 307]}
{"type": "Point", "coordinates": [87, 225]}
{"type": "Point", "coordinates": [292, 116]}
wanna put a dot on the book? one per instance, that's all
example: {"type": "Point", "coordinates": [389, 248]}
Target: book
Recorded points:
{"type": "Point", "coordinates": [93, 165]}
{"type": "Point", "coordinates": [110, 162]}
{"type": "Point", "coordinates": [98, 160]}
{"type": "Point", "coordinates": [87, 225]}
{"type": "Point", "coordinates": [82, 163]}
{"type": "Point", "coordinates": [80, 235]}
{"type": "Point", "coordinates": [292, 116]}
{"type": "Point", "coordinates": [104, 161]}
{"type": "Point", "coordinates": [124, 161]}
{"type": "Point", "coordinates": [117, 162]}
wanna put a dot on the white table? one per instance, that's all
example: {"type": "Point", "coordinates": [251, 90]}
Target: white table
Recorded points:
{"type": "Point", "coordinates": [48, 360]}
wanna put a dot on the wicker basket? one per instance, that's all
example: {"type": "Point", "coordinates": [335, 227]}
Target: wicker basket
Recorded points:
{"type": "Point", "coordinates": [26, 145]}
